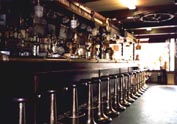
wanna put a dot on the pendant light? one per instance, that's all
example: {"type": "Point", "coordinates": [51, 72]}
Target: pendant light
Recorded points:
{"type": "Point", "coordinates": [73, 22]}
{"type": "Point", "coordinates": [138, 46]}
{"type": "Point", "coordinates": [38, 9]}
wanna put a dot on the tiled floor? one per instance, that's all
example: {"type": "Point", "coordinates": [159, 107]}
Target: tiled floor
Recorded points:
{"type": "Point", "coordinates": [158, 105]}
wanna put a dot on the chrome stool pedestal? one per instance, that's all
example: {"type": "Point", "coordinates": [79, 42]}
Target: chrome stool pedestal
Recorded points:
{"type": "Point", "coordinates": [136, 82]}
{"type": "Point", "coordinates": [134, 86]}
{"type": "Point", "coordinates": [128, 82]}
{"type": "Point", "coordinates": [109, 110]}
{"type": "Point", "coordinates": [120, 106]}
{"type": "Point", "coordinates": [116, 105]}
{"type": "Point", "coordinates": [123, 101]}
{"type": "Point", "coordinates": [53, 107]}
{"type": "Point", "coordinates": [90, 109]}
{"type": "Point", "coordinates": [101, 117]}
{"type": "Point", "coordinates": [21, 110]}
{"type": "Point", "coordinates": [140, 91]}
{"type": "Point", "coordinates": [75, 115]}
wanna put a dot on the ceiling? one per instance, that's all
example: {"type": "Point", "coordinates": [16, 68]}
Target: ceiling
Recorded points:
{"type": "Point", "coordinates": [160, 15]}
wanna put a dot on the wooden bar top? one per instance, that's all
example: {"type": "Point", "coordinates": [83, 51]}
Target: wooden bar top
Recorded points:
{"type": "Point", "coordinates": [39, 65]}
{"type": "Point", "coordinates": [50, 59]}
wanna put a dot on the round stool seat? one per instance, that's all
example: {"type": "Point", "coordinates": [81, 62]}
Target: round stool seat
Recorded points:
{"type": "Point", "coordinates": [20, 100]}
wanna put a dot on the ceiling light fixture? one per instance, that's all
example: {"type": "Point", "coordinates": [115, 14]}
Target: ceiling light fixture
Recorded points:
{"type": "Point", "coordinates": [148, 29]}
{"type": "Point", "coordinates": [131, 7]}
{"type": "Point", "coordinates": [143, 39]}
{"type": "Point", "coordinates": [130, 4]}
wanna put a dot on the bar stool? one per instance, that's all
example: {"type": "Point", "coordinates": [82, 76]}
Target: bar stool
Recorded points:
{"type": "Point", "coordinates": [21, 110]}
{"type": "Point", "coordinates": [143, 78]}
{"type": "Point", "coordinates": [124, 86]}
{"type": "Point", "coordinates": [136, 81]}
{"type": "Point", "coordinates": [115, 103]}
{"type": "Point", "coordinates": [141, 82]}
{"type": "Point", "coordinates": [134, 85]}
{"type": "Point", "coordinates": [53, 108]}
{"type": "Point", "coordinates": [119, 94]}
{"type": "Point", "coordinates": [114, 95]}
{"type": "Point", "coordinates": [129, 87]}
{"type": "Point", "coordinates": [109, 110]}
{"type": "Point", "coordinates": [90, 108]}
{"type": "Point", "coordinates": [140, 91]}
{"type": "Point", "coordinates": [74, 115]}
{"type": "Point", "coordinates": [146, 78]}
{"type": "Point", "coordinates": [101, 117]}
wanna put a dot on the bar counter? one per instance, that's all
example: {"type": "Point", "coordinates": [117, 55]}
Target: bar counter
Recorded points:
{"type": "Point", "coordinates": [81, 64]}
{"type": "Point", "coordinates": [27, 77]}
{"type": "Point", "coordinates": [25, 72]}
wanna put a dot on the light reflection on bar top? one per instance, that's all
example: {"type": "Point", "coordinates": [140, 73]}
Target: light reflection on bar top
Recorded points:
{"type": "Point", "coordinates": [54, 59]}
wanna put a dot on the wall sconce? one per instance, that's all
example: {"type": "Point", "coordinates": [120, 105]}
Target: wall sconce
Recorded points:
{"type": "Point", "coordinates": [38, 10]}
{"type": "Point", "coordinates": [73, 22]}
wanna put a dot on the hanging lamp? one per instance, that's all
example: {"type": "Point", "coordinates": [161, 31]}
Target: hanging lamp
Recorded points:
{"type": "Point", "coordinates": [138, 46]}
{"type": "Point", "coordinates": [73, 22]}
{"type": "Point", "coordinates": [38, 9]}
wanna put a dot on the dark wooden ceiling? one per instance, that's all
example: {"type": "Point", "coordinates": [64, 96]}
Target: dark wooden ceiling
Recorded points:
{"type": "Point", "coordinates": [160, 15]}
